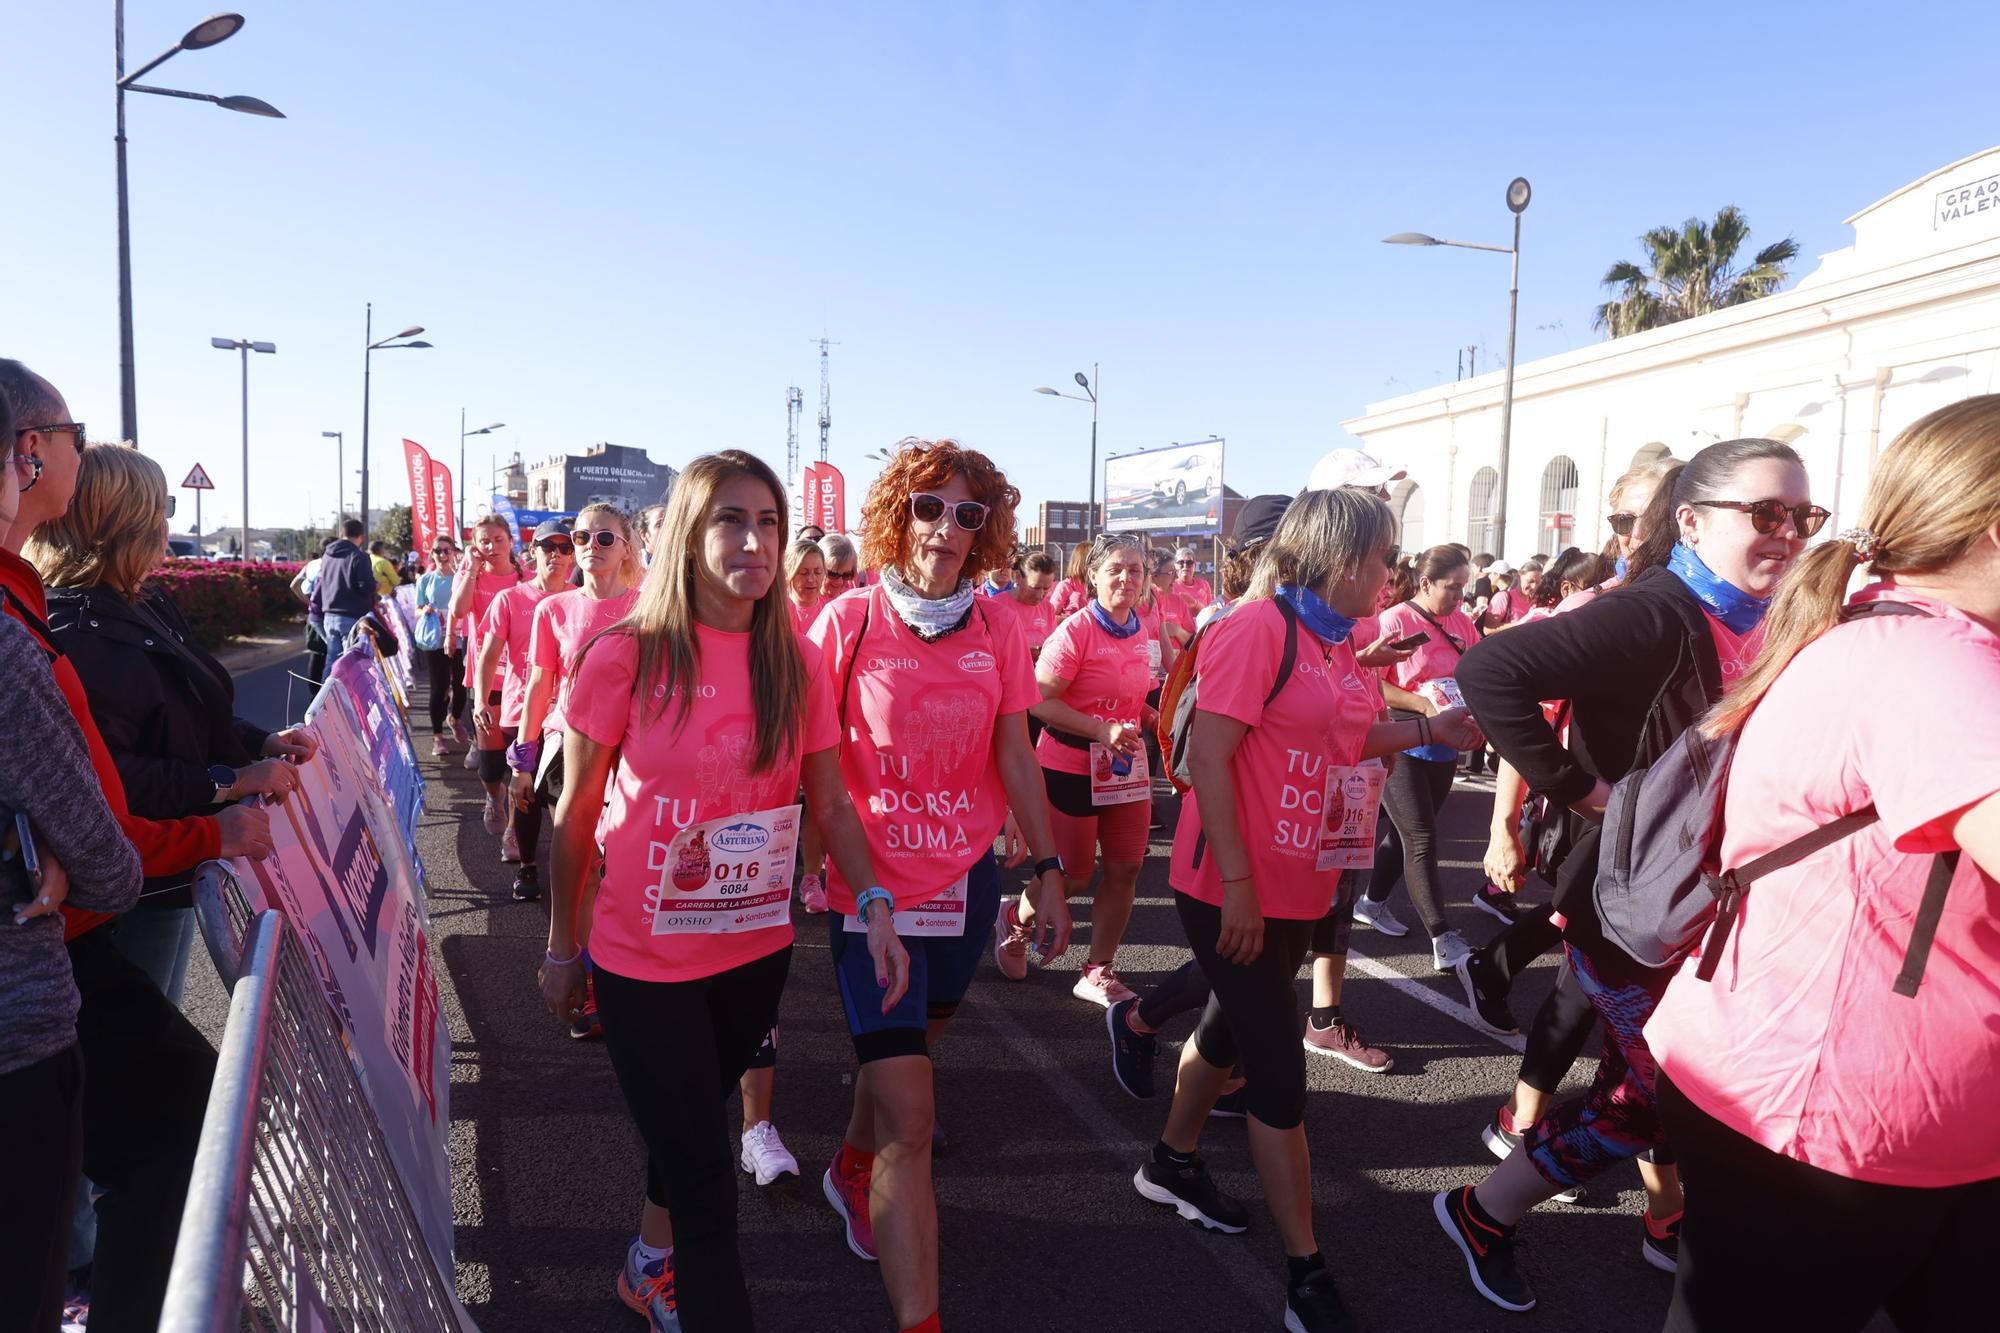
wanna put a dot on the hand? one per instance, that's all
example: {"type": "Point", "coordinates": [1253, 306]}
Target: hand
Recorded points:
{"type": "Point", "coordinates": [562, 985]}
{"type": "Point", "coordinates": [1017, 846]}
{"type": "Point", "coordinates": [49, 894]}
{"type": "Point", "coordinates": [1455, 727]}
{"type": "Point", "coordinates": [295, 743]}
{"type": "Point", "coordinates": [1123, 737]}
{"type": "Point", "coordinates": [1506, 865]}
{"type": "Point", "coordinates": [1050, 924]}
{"type": "Point", "coordinates": [1379, 654]}
{"type": "Point", "coordinates": [892, 960]}
{"type": "Point", "coordinates": [483, 720]}
{"type": "Point", "coordinates": [274, 778]}
{"type": "Point", "coordinates": [521, 786]}
{"type": "Point", "coordinates": [1242, 936]}
{"type": "Point", "coordinates": [1591, 807]}
{"type": "Point", "coordinates": [246, 831]}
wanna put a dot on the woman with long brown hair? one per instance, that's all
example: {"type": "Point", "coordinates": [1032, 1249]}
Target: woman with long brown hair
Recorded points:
{"type": "Point", "coordinates": [700, 713]}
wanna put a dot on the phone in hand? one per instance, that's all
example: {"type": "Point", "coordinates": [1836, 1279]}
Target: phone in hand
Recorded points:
{"type": "Point", "coordinates": [1121, 764]}
{"type": "Point", "coordinates": [1413, 641]}
{"type": "Point", "coordinates": [20, 867]}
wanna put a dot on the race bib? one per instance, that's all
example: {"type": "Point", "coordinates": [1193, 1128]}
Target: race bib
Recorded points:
{"type": "Point", "coordinates": [729, 875]}
{"type": "Point", "coordinates": [1443, 692]}
{"type": "Point", "coordinates": [1353, 804]}
{"type": "Point", "coordinates": [1153, 659]}
{"type": "Point", "coordinates": [942, 915]}
{"type": "Point", "coordinates": [1108, 786]}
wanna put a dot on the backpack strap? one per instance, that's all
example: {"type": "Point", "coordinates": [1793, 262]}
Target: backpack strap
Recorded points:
{"type": "Point", "coordinates": [853, 656]}
{"type": "Point", "coordinates": [1924, 929]}
{"type": "Point", "coordinates": [1287, 659]}
{"type": "Point", "coordinates": [1728, 887]}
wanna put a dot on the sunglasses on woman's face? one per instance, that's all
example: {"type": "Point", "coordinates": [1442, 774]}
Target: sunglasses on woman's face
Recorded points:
{"type": "Point", "coordinates": [840, 576]}
{"type": "Point", "coordinates": [1768, 516]}
{"type": "Point", "coordinates": [555, 547]}
{"type": "Point", "coordinates": [598, 537]}
{"type": "Point", "coordinates": [1622, 524]}
{"type": "Point", "coordinates": [967, 514]}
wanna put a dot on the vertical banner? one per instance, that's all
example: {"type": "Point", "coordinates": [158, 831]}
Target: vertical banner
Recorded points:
{"type": "Point", "coordinates": [825, 497]}
{"type": "Point", "coordinates": [422, 529]}
{"type": "Point", "coordinates": [444, 519]}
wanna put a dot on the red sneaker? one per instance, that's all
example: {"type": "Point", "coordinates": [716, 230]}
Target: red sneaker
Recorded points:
{"type": "Point", "coordinates": [849, 1197]}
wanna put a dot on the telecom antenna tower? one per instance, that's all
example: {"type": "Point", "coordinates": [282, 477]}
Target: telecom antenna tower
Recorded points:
{"type": "Point", "coordinates": [825, 398]}
{"type": "Point", "coordinates": [795, 404]}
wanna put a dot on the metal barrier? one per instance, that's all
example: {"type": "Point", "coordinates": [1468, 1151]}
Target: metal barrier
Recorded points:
{"type": "Point", "coordinates": [296, 1219]}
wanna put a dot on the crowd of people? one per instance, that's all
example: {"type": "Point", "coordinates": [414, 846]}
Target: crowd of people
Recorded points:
{"type": "Point", "coordinates": [701, 718]}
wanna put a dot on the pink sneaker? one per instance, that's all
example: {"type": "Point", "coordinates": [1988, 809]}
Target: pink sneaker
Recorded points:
{"type": "Point", "coordinates": [812, 894]}
{"type": "Point", "coordinates": [1010, 943]}
{"type": "Point", "coordinates": [1100, 985]}
{"type": "Point", "coordinates": [850, 1199]}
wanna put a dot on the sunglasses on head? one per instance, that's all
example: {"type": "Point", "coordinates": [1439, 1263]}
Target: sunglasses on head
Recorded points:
{"type": "Point", "coordinates": [600, 537]}
{"type": "Point", "coordinates": [967, 514]}
{"type": "Point", "coordinates": [1622, 524]}
{"type": "Point", "coordinates": [1768, 516]}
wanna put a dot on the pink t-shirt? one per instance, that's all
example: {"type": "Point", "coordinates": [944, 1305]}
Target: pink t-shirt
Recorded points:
{"type": "Point", "coordinates": [1321, 717]}
{"type": "Point", "coordinates": [1585, 596]}
{"type": "Point", "coordinates": [1735, 652]}
{"type": "Point", "coordinates": [1174, 609]}
{"type": "Point", "coordinates": [1506, 606]}
{"type": "Point", "coordinates": [917, 728]}
{"type": "Point", "coordinates": [1107, 677]}
{"type": "Point", "coordinates": [489, 586]}
{"type": "Point", "coordinates": [1798, 1041]}
{"type": "Point", "coordinates": [1068, 597]}
{"type": "Point", "coordinates": [564, 622]}
{"type": "Point", "coordinates": [1433, 660]}
{"type": "Point", "coordinates": [1196, 590]}
{"type": "Point", "coordinates": [670, 777]}
{"type": "Point", "coordinates": [803, 614]}
{"type": "Point", "coordinates": [1037, 622]}
{"type": "Point", "coordinates": [511, 619]}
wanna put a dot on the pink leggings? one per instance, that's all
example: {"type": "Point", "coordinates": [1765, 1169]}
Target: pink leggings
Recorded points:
{"type": "Point", "coordinates": [1119, 831]}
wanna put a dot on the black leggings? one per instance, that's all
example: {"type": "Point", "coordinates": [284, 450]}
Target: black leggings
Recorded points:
{"type": "Point", "coordinates": [678, 1048]}
{"type": "Point", "coordinates": [1252, 1018]}
{"type": "Point", "coordinates": [1186, 988]}
{"type": "Point", "coordinates": [41, 1118]}
{"type": "Point", "coordinates": [1558, 1034]}
{"type": "Point", "coordinates": [447, 679]}
{"type": "Point", "coordinates": [1770, 1242]}
{"type": "Point", "coordinates": [1407, 842]}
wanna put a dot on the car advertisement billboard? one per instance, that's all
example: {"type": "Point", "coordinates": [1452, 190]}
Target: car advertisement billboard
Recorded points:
{"type": "Point", "coordinates": [1175, 489]}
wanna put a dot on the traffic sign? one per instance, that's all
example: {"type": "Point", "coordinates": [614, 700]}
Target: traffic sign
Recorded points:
{"type": "Point", "coordinates": [197, 480]}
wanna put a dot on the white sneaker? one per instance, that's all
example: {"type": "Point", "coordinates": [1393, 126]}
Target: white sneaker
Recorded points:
{"type": "Point", "coordinates": [472, 757]}
{"type": "Point", "coordinates": [495, 817]}
{"type": "Point", "coordinates": [1378, 917]}
{"type": "Point", "coordinates": [439, 749]}
{"type": "Point", "coordinates": [510, 845]}
{"type": "Point", "coordinates": [1100, 985]}
{"type": "Point", "coordinates": [765, 1155]}
{"type": "Point", "coordinates": [1448, 951]}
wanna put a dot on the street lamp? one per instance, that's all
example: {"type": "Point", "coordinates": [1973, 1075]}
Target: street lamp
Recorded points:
{"type": "Point", "coordinates": [245, 347]}
{"type": "Point", "coordinates": [388, 344]}
{"type": "Point", "coordinates": [463, 434]}
{"type": "Point", "coordinates": [1518, 195]}
{"type": "Point", "coordinates": [209, 32]}
{"type": "Point", "coordinates": [1089, 385]}
{"type": "Point", "coordinates": [339, 475]}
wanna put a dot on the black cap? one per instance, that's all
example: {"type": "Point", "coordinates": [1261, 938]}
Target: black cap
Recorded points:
{"type": "Point", "coordinates": [554, 527]}
{"type": "Point", "coordinates": [1258, 519]}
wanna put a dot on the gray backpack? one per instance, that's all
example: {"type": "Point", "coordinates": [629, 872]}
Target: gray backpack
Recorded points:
{"type": "Point", "coordinates": [1654, 893]}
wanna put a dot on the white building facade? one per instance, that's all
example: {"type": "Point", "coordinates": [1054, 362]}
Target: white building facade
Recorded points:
{"type": "Point", "coordinates": [1901, 322]}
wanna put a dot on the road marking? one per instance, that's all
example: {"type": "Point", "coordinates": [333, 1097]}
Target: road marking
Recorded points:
{"type": "Point", "coordinates": [1422, 994]}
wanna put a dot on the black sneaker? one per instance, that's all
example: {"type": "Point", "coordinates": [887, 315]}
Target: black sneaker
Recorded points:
{"type": "Point", "coordinates": [1188, 1191]}
{"type": "Point", "coordinates": [1489, 1252]}
{"type": "Point", "coordinates": [1314, 1306]}
{"type": "Point", "coordinates": [1486, 996]}
{"type": "Point", "coordinates": [1131, 1052]}
{"type": "Point", "coordinates": [1506, 907]}
{"type": "Point", "coordinates": [527, 888]}
{"type": "Point", "coordinates": [1661, 1243]}
{"type": "Point", "coordinates": [1232, 1105]}
{"type": "Point", "coordinates": [1501, 1141]}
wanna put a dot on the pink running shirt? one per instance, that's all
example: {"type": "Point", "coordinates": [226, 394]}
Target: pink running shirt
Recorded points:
{"type": "Point", "coordinates": [917, 737]}
{"type": "Point", "coordinates": [1196, 590]}
{"type": "Point", "coordinates": [669, 777]}
{"type": "Point", "coordinates": [1068, 597]}
{"type": "Point", "coordinates": [1433, 660]}
{"type": "Point", "coordinates": [803, 615]}
{"type": "Point", "coordinates": [511, 618]}
{"type": "Point", "coordinates": [1321, 717]}
{"type": "Point", "coordinates": [1108, 678]}
{"type": "Point", "coordinates": [1799, 1042]}
{"type": "Point", "coordinates": [564, 622]}
{"type": "Point", "coordinates": [489, 587]}
{"type": "Point", "coordinates": [1037, 622]}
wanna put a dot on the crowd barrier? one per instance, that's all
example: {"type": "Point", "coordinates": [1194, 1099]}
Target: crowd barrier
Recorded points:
{"type": "Point", "coordinates": [322, 1189]}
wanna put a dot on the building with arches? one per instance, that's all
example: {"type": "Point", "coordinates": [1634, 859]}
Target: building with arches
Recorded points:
{"type": "Point", "coordinates": [1904, 320]}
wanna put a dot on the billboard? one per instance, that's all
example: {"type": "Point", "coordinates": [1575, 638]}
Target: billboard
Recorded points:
{"type": "Point", "coordinates": [1175, 489]}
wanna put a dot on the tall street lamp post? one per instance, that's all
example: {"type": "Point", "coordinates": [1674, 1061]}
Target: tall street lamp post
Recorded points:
{"type": "Point", "coordinates": [1518, 195]}
{"type": "Point", "coordinates": [388, 344]}
{"type": "Point", "coordinates": [463, 435]}
{"type": "Point", "coordinates": [339, 475]}
{"type": "Point", "coordinates": [245, 347]}
{"type": "Point", "coordinates": [1089, 386]}
{"type": "Point", "coordinates": [209, 32]}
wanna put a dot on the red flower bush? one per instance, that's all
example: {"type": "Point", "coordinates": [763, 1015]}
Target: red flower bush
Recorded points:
{"type": "Point", "coordinates": [231, 597]}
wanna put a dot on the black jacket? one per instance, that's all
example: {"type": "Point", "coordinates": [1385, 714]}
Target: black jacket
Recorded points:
{"type": "Point", "coordinates": [167, 710]}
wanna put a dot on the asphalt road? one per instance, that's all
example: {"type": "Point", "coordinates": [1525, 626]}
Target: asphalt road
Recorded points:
{"type": "Point", "coordinates": [1040, 1225]}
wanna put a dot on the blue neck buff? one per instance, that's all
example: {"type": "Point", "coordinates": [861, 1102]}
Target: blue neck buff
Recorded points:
{"type": "Point", "coordinates": [1325, 622]}
{"type": "Point", "coordinates": [1724, 600]}
{"type": "Point", "coordinates": [1112, 627]}
{"type": "Point", "coordinates": [1623, 565]}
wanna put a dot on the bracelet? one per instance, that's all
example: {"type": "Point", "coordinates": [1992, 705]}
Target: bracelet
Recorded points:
{"type": "Point", "coordinates": [867, 898]}
{"type": "Point", "coordinates": [522, 756]}
{"type": "Point", "coordinates": [554, 961]}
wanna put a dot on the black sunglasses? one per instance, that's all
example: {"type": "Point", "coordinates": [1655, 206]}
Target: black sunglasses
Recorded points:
{"type": "Point", "coordinates": [600, 537]}
{"type": "Point", "coordinates": [1622, 524]}
{"type": "Point", "coordinates": [75, 428]}
{"type": "Point", "coordinates": [559, 545]}
{"type": "Point", "coordinates": [33, 467]}
{"type": "Point", "coordinates": [840, 576]}
{"type": "Point", "coordinates": [171, 505]}
{"type": "Point", "coordinates": [967, 514]}
{"type": "Point", "coordinates": [1767, 516]}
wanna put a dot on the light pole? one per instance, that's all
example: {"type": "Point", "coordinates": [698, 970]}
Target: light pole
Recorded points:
{"type": "Point", "coordinates": [209, 32]}
{"type": "Point", "coordinates": [1089, 386]}
{"type": "Point", "coordinates": [339, 476]}
{"type": "Point", "coordinates": [245, 347]}
{"type": "Point", "coordinates": [388, 344]}
{"type": "Point", "coordinates": [463, 435]}
{"type": "Point", "coordinates": [1518, 195]}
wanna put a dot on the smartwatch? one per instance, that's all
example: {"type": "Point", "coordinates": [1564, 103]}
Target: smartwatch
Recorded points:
{"type": "Point", "coordinates": [224, 777]}
{"type": "Point", "coordinates": [1048, 863]}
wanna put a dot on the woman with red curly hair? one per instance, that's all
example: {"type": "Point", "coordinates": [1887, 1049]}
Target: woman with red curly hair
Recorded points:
{"type": "Point", "coordinates": [932, 686]}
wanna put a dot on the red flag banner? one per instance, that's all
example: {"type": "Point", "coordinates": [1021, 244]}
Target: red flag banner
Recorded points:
{"type": "Point", "coordinates": [430, 497]}
{"type": "Point", "coordinates": [825, 497]}
{"type": "Point", "coordinates": [444, 519]}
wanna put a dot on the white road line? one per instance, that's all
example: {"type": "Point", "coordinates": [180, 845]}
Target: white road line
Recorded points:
{"type": "Point", "coordinates": [1422, 994]}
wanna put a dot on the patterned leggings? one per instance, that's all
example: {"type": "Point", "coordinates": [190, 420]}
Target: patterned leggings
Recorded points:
{"type": "Point", "coordinates": [1619, 1117]}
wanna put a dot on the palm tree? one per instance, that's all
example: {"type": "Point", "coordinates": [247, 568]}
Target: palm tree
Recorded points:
{"type": "Point", "coordinates": [1690, 274]}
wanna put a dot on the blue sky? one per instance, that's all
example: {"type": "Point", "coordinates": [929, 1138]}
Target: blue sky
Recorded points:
{"type": "Point", "coordinates": [629, 222]}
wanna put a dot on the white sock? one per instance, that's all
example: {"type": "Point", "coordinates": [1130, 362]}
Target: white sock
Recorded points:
{"type": "Point", "coordinates": [649, 1254]}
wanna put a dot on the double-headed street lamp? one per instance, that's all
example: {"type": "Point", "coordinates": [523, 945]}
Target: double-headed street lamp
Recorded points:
{"type": "Point", "coordinates": [1518, 194]}
{"type": "Point", "coordinates": [244, 346]}
{"type": "Point", "coordinates": [1089, 387]}
{"type": "Point", "coordinates": [463, 435]}
{"type": "Point", "coordinates": [209, 32]}
{"type": "Point", "coordinates": [392, 343]}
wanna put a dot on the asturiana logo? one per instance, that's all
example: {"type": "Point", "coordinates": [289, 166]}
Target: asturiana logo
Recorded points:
{"type": "Point", "coordinates": [738, 838]}
{"type": "Point", "coordinates": [976, 660]}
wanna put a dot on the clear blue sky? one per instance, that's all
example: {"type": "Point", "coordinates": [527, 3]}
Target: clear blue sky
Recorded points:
{"type": "Point", "coordinates": [627, 221]}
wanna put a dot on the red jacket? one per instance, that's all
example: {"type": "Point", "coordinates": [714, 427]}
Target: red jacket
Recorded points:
{"type": "Point", "coordinates": [166, 846]}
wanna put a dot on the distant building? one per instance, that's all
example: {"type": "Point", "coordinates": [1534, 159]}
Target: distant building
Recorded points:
{"type": "Point", "coordinates": [1061, 524]}
{"type": "Point", "coordinates": [615, 473]}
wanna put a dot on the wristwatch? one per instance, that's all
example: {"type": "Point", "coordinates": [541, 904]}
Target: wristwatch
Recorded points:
{"type": "Point", "coordinates": [1048, 863]}
{"type": "Point", "coordinates": [224, 777]}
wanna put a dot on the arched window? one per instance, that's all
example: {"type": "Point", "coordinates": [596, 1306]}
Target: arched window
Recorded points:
{"type": "Point", "coordinates": [1479, 512]}
{"type": "Point", "coordinates": [1558, 507]}
{"type": "Point", "coordinates": [1651, 453]}
{"type": "Point", "coordinates": [1407, 503]}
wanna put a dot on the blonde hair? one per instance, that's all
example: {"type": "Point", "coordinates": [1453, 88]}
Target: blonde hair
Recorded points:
{"type": "Point", "coordinates": [1934, 495]}
{"type": "Point", "coordinates": [1322, 535]}
{"type": "Point", "coordinates": [631, 569]}
{"type": "Point", "coordinates": [115, 531]}
{"type": "Point", "coordinates": [663, 621]}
